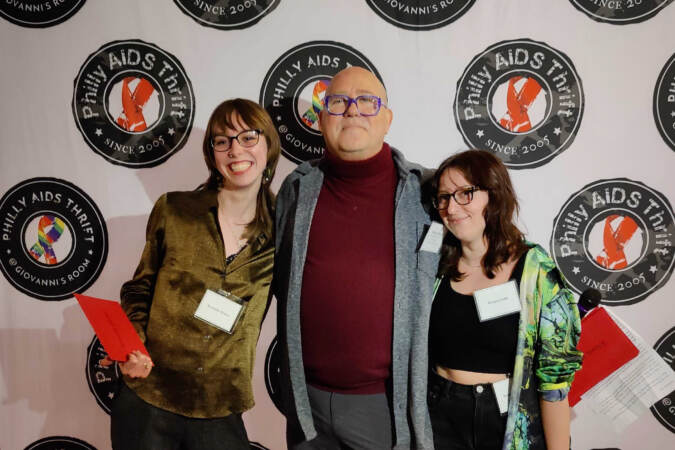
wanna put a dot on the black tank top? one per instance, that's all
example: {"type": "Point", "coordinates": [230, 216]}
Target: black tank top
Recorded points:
{"type": "Point", "coordinates": [458, 340]}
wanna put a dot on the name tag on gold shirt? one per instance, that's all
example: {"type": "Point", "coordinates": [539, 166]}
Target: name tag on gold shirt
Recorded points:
{"type": "Point", "coordinates": [220, 309]}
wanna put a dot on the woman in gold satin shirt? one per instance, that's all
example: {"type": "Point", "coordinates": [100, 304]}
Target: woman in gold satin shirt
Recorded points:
{"type": "Point", "coordinates": [192, 390]}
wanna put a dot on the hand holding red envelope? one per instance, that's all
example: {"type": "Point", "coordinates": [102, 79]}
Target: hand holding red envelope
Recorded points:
{"type": "Point", "coordinates": [112, 326]}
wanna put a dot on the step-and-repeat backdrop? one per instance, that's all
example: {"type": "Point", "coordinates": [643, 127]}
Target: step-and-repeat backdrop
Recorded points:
{"type": "Point", "coordinates": [104, 105]}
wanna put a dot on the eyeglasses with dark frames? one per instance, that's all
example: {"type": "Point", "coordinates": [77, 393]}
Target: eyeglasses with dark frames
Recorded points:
{"type": "Point", "coordinates": [246, 138]}
{"type": "Point", "coordinates": [462, 196]}
{"type": "Point", "coordinates": [366, 105]}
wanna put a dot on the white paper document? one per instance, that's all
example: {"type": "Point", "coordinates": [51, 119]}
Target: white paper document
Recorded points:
{"type": "Point", "coordinates": [501, 389]}
{"type": "Point", "coordinates": [433, 239]}
{"type": "Point", "coordinates": [630, 390]}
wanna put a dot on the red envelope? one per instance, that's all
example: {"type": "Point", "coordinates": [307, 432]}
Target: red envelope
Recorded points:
{"type": "Point", "coordinates": [112, 326]}
{"type": "Point", "coordinates": [606, 348]}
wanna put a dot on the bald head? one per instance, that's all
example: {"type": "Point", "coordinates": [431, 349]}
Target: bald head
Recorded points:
{"type": "Point", "coordinates": [351, 136]}
{"type": "Point", "coordinates": [361, 76]}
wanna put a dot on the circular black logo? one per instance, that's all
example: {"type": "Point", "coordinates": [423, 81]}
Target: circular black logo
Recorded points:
{"type": "Point", "coordinates": [39, 13]}
{"type": "Point", "coordinates": [620, 12]}
{"type": "Point", "coordinates": [520, 99]}
{"type": "Point", "coordinates": [60, 443]}
{"type": "Point", "coordinates": [664, 409]}
{"type": "Point", "coordinates": [273, 373]}
{"type": "Point", "coordinates": [53, 239]}
{"type": "Point", "coordinates": [664, 103]}
{"type": "Point", "coordinates": [615, 236]}
{"type": "Point", "coordinates": [420, 14]}
{"type": "Point", "coordinates": [293, 92]}
{"type": "Point", "coordinates": [133, 103]}
{"type": "Point", "coordinates": [231, 15]}
{"type": "Point", "coordinates": [103, 381]}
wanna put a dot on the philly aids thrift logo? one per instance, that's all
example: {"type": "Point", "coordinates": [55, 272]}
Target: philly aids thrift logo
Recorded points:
{"type": "Point", "coordinates": [227, 15]}
{"type": "Point", "coordinates": [664, 103]}
{"type": "Point", "coordinates": [39, 13]}
{"type": "Point", "coordinates": [521, 100]}
{"type": "Point", "coordinates": [615, 236]}
{"type": "Point", "coordinates": [620, 12]}
{"type": "Point", "coordinates": [420, 15]}
{"type": "Point", "coordinates": [293, 92]}
{"type": "Point", "coordinates": [664, 409]}
{"type": "Point", "coordinates": [53, 238]}
{"type": "Point", "coordinates": [133, 103]}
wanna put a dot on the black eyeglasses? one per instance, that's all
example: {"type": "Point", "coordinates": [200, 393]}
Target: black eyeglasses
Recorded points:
{"type": "Point", "coordinates": [462, 196]}
{"type": "Point", "coordinates": [247, 138]}
{"type": "Point", "coordinates": [366, 105]}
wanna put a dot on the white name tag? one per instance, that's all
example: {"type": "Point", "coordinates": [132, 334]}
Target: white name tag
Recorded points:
{"type": "Point", "coordinates": [497, 301]}
{"type": "Point", "coordinates": [434, 238]}
{"type": "Point", "coordinates": [220, 309]}
{"type": "Point", "coordinates": [501, 389]}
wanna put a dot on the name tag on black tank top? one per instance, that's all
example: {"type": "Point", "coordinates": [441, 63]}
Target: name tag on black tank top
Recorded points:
{"type": "Point", "coordinates": [497, 301]}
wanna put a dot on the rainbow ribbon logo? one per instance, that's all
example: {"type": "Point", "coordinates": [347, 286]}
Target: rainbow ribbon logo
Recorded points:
{"type": "Point", "coordinates": [311, 116]}
{"type": "Point", "coordinates": [43, 247]}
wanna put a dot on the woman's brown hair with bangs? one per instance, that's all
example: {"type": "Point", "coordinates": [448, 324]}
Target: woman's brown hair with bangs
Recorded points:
{"type": "Point", "coordinates": [255, 117]}
{"type": "Point", "coordinates": [504, 240]}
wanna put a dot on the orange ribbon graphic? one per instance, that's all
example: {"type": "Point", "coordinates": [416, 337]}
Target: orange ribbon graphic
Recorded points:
{"type": "Point", "coordinates": [131, 118]}
{"type": "Point", "coordinates": [43, 247]}
{"type": "Point", "coordinates": [518, 103]}
{"type": "Point", "coordinates": [614, 241]}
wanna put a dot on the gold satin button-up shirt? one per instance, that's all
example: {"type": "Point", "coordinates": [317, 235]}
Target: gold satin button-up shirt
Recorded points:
{"type": "Point", "coordinates": [200, 371]}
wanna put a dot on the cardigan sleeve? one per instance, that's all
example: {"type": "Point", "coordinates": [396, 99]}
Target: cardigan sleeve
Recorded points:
{"type": "Point", "coordinates": [136, 294]}
{"type": "Point", "coordinates": [557, 357]}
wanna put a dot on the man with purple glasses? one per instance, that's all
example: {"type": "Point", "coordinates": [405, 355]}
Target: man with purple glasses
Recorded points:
{"type": "Point", "coordinates": [354, 289]}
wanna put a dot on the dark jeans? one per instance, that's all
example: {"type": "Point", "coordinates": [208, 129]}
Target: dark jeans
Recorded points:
{"type": "Point", "coordinates": [137, 425]}
{"type": "Point", "coordinates": [346, 422]}
{"type": "Point", "coordinates": [464, 417]}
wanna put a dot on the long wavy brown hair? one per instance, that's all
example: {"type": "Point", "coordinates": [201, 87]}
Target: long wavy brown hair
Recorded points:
{"type": "Point", "coordinates": [505, 241]}
{"type": "Point", "coordinates": [254, 116]}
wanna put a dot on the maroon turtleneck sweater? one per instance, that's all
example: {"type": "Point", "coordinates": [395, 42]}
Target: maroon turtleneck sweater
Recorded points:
{"type": "Point", "coordinates": [347, 303]}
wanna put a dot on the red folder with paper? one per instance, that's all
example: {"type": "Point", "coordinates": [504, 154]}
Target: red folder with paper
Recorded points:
{"type": "Point", "coordinates": [606, 348]}
{"type": "Point", "coordinates": [112, 326]}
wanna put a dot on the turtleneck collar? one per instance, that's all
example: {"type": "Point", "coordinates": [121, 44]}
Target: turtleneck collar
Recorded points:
{"type": "Point", "coordinates": [381, 162]}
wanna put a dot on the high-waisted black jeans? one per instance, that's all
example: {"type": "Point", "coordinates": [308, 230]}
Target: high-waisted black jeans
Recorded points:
{"type": "Point", "coordinates": [464, 417]}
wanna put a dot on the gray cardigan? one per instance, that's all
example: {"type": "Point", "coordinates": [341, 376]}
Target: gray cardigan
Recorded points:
{"type": "Point", "coordinates": [415, 273]}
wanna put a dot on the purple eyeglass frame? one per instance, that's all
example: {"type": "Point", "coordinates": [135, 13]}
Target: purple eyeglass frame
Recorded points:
{"type": "Point", "coordinates": [349, 103]}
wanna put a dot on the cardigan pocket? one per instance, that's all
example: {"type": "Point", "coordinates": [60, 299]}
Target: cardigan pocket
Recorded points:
{"type": "Point", "coordinates": [427, 262]}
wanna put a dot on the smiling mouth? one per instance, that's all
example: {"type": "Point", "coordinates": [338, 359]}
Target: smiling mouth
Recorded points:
{"type": "Point", "coordinates": [457, 220]}
{"type": "Point", "coordinates": [240, 166]}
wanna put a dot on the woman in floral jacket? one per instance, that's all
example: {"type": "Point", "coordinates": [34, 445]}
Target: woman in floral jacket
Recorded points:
{"type": "Point", "coordinates": [502, 359]}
